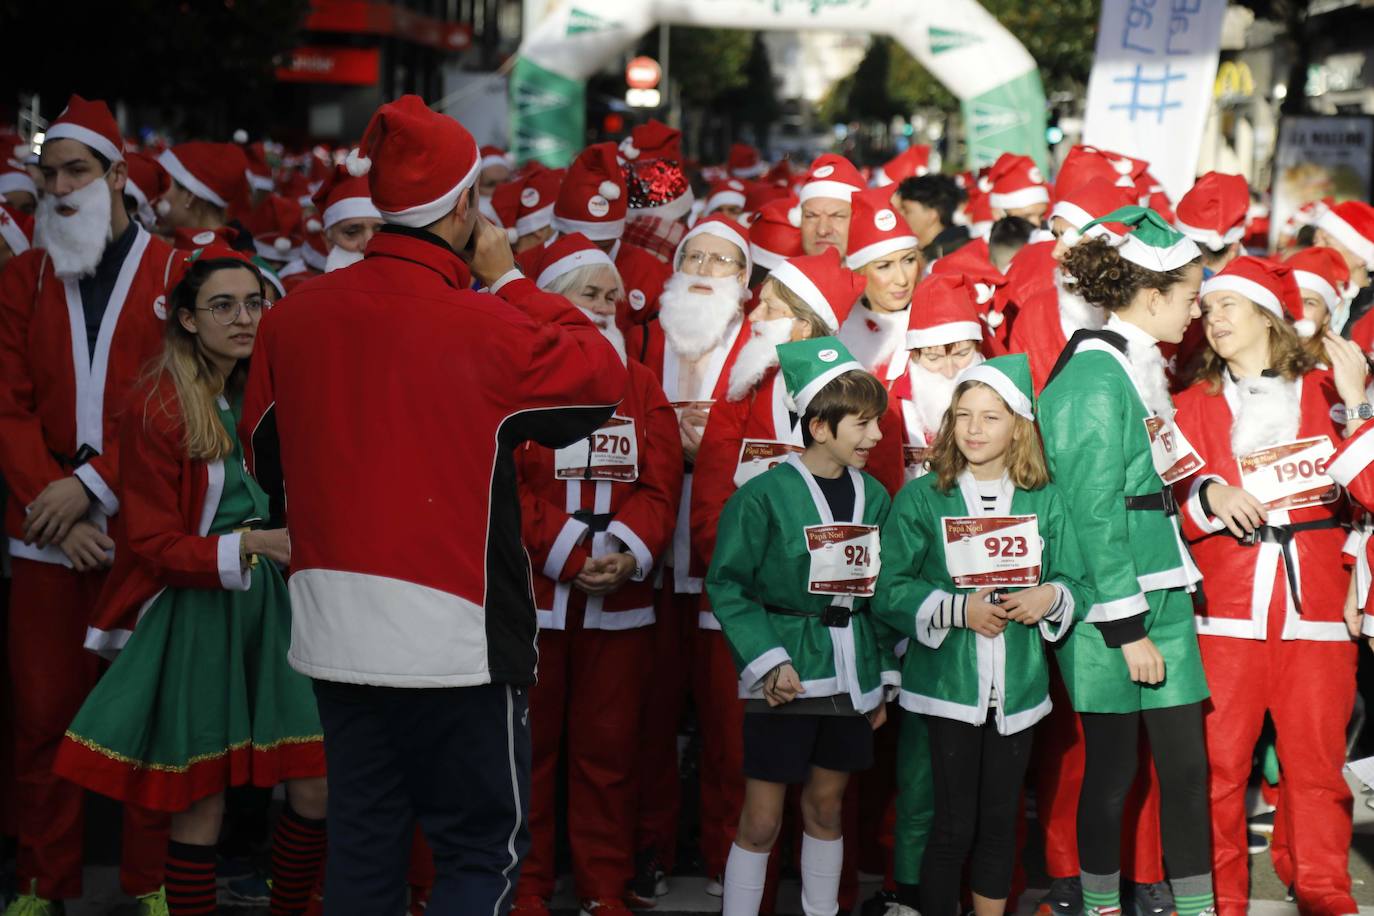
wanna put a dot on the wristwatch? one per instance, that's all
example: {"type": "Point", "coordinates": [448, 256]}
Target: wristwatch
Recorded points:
{"type": "Point", "coordinates": [1362, 411]}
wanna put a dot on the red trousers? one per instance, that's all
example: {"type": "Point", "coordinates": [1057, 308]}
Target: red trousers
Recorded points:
{"type": "Point", "coordinates": [1308, 690]}
{"type": "Point", "coordinates": [52, 674]}
{"type": "Point", "coordinates": [720, 715]}
{"type": "Point", "coordinates": [665, 697]}
{"type": "Point", "coordinates": [590, 692]}
{"type": "Point", "coordinates": [1059, 754]}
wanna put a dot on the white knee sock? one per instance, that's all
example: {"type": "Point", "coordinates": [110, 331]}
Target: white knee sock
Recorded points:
{"type": "Point", "coordinates": [745, 874]}
{"type": "Point", "coordinates": [821, 861]}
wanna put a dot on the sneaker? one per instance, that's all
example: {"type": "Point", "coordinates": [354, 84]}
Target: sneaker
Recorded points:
{"type": "Point", "coordinates": [604, 908]}
{"type": "Point", "coordinates": [154, 904]}
{"type": "Point", "coordinates": [31, 904]}
{"type": "Point", "coordinates": [530, 905]}
{"type": "Point", "coordinates": [1102, 911]}
{"type": "Point", "coordinates": [1064, 898]}
{"type": "Point", "coordinates": [649, 881]}
{"type": "Point", "coordinates": [878, 904]}
{"type": "Point", "coordinates": [233, 868]}
{"type": "Point", "coordinates": [1153, 900]}
{"type": "Point", "coordinates": [1262, 823]}
{"type": "Point", "coordinates": [253, 890]}
{"type": "Point", "coordinates": [716, 886]}
{"type": "Point", "coordinates": [1257, 842]}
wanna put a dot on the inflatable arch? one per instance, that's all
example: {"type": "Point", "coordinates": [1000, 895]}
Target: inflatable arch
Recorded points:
{"type": "Point", "coordinates": [958, 41]}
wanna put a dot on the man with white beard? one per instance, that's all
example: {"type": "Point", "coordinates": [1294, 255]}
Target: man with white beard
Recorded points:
{"type": "Point", "coordinates": [80, 316]}
{"type": "Point", "coordinates": [944, 337]}
{"type": "Point", "coordinates": [691, 348]}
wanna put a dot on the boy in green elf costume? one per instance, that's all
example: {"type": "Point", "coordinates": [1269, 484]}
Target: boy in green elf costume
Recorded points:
{"type": "Point", "coordinates": [796, 561]}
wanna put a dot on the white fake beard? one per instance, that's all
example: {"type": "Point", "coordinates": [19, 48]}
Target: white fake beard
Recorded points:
{"type": "Point", "coordinates": [1267, 414]}
{"type": "Point", "coordinates": [695, 323]}
{"type": "Point", "coordinates": [76, 242]}
{"type": "Point", "coordinates": [1075, 312]}
{"type": "Point", "coordinates": [758, 355]}
{"type": "Point", "coordinates": [341, 257]}
{"type": "Point", "coordinates": [933, 393]}
{"type": "Point", "coordinates": [1150, 373]}
{"type": "Point", "coordinates": [606, 325]}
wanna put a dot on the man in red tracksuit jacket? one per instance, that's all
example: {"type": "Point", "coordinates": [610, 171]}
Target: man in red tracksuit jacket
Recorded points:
{"type": "Point", "coordinates": [385, 401]}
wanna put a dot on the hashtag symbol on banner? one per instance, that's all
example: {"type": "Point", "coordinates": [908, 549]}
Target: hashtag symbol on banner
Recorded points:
{"type": "Point", "coordinates": [1156, 90]}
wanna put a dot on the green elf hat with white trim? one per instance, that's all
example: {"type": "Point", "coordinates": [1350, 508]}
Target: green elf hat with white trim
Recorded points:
{"type": "Point", "coordinates": [1009, 376]}
{"type": "Point", "coordinates": [1151, 242]}
{"type": "Point", "coordinates": [809, 365]}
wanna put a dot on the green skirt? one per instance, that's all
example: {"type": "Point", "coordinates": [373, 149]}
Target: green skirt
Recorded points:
{"type": "Point", "coordinates": [200, 699]}
{"type": "Point", "coordinates": [1096, 675]}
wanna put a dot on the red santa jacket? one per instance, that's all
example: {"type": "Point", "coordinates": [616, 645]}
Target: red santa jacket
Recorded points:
{"type": "Point", "coordinates": [649, 341]}
{"type": "Point", "coordinates": [1039, 333]}
{"type": "Point", "coordinates": [915, 437]}
{"type": "Point", "coordinates": [54, 396]}
{"type": "Point", "coordinates": [743, 439]}
{"type": "Point", "coordinates": [387, 399]}
{"type": "Point", "coordinates": [1031, 271]}
{"type": "Point", "coordinates": [167, 509]}
{"type": "Point", "coordinates": [1240, 584]}
{"type": "Point", "coordinates": [565, 521]}
{"type": "Point", "coordinates": [877, 340]}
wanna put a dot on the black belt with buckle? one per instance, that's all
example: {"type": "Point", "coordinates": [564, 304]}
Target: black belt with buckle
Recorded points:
{"type": "Point", "coordinates": [83, 454]}
{"type": "Point", "coordinates": [1283, 535]}
{"type": "Point", "coordinates": [836, 615]}
{"type": "Point", "coordinates": [1163, 501]}
{"type": "Point", "coordinates": [596, 522]}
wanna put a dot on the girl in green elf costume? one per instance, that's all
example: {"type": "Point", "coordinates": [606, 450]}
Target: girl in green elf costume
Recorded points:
{"type": "Point", "coordinates": [795, 563]}
{"type": "Point", "coordinates": [1111, 443]}
{"type": "Point", "coordinates": [982, 568]}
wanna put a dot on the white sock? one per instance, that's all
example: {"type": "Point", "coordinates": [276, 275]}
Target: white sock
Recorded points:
{"type": "Point", "coordinates": [821, 861]}
{"type": "Point", "coordinates": [745, 874]}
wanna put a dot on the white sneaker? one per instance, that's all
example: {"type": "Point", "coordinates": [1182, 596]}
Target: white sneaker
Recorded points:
{"type": "Point", "coordinates": [715, 887]}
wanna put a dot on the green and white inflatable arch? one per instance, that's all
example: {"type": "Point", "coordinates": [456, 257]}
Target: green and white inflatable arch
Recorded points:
{"type": "Point", "coordinates": [958, 41]}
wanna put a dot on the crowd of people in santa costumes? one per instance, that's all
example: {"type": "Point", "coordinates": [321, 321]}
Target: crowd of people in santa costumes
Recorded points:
{"type": "Point", "coordinates": [910, 496]}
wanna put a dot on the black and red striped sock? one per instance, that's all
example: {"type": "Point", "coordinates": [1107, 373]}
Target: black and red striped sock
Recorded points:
{"type": "Point", "coordinates": [190, 879]}
{"type": "Point", "coordinates": [297, 852]}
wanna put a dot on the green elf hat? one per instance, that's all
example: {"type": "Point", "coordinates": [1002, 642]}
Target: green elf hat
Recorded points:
{"type": "Point", "coordinates": [1151, 242]}
{"type": "Point", "coordinates": [809, 365]}
{"type": "Point", "coordinates": [1010, 377]}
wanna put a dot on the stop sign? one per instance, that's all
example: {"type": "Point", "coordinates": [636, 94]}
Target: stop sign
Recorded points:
{"type": "Point", "coordinates": [642, 73]}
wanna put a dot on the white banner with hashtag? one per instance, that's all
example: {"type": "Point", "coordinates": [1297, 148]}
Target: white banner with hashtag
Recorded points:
{"type": "Point", "coordinates": [1151, 83]}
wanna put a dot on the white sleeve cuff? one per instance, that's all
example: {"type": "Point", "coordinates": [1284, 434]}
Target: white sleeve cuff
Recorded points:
{"type": "Point", "coordinates": [755, 671]}
{"type": "Point", "coordinates": [232, 575]}
{"type": "Point", "coordinates": [567, 539]}
{"type": "Point", "coordinates": [1120, 609]}
{"type": "Point", "coordinates": [1194, 504]}
{"type": "Point", "coordinates": [1054, 630]}
{"type": "Point", "coordinates": [512, 274]}
{"type": "Point", "coordinates": [109, 503]}
{"type": "Point", "coordinates": [927, 634]}
{"type": "Point", "coordinates": [643, 558]}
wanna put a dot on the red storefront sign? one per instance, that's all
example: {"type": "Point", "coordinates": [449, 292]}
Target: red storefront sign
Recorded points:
{"type": "Point", "coordinates": [364, 17]}
{"type": "Point", "coordinates": [341, 66]}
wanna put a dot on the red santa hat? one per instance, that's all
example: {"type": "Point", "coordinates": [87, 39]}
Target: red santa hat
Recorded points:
{"type": "Point", "coordinates": [1085, 163]}
{"type": "Point", "coordinates": [1153, 195]}
{"type": "Point", "coordinates": [1267, 283]}
{"type": "Point", "coordinates": [944, 311]}
{"type": "Point", "coordinates": [1092, 200]}
{"type": "Point", "coordinates": [730, 192]}
{"type": "Point", "coordinates": [278, 226]}
{"type": "Point", "coordinates": [1214, 210]}
{"type": "Point", "coordinates": [16, 178]}
{"type": "Point", "coordinates": [494, 156]}
{"type": "Point", "coordinates": [972, 262]}
{"type": "Point", "coordinates": [525, 205]}
{"type": "Point", "coordinates": [780, 174]}
{"type": "Point", "coordinates": [912, 162]}
{"type": "Point", "coordinates": [1016, 182]}
{"type": "Point", "coordinates": [214, 172]}
{"type": "Point", "coordinates": [722, 227]}
{"type": "Point", "coordinates": [212, 248]}
{"type": "Point", "coordinates": [89, 122]}
{"type": "Point", "coordinates": [875, 229]}
{"type": "Point", "coordinates": [16, 229]}
{"type": "Point", "coordinates": [775, 234]}
{"type": "Point", "coordinates": [314, 253]}
{"type": "Point", "coordinates": [148, 180]}
{"type": "Point", "coordinates": [592, 200]}
{"type": "Point", "coordinates": [342, 196]}
{"type": "Point", "coordinates": [744, 161]}
{"type": "Point", "coordinates": [259, 172]}
{"type": "Point", "coordinates": [977, 211]}
{"type": "Point", "coordinates": [823, 283]}
{"type": "Point", "coordinates": [1351, 223]}
{"type": "Point", "coordinates": [758, 193]}
{"type": "Point", "coordinates": [831, 176]}
{"type": "Point", "coordinates": [417, 162]}
{"type": "Point", "coordinates": [652, 140]}
{"type": "Point", "coordinates": [566, 254]}
{"type": "Point", "coordinates": [1323, 271]}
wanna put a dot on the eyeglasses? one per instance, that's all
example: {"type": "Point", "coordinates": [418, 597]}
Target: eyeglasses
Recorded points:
{"type": "Point", "coordinates": [227, 311]}
{"type": "Point", "coordinates": [714, 264]}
